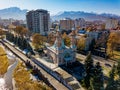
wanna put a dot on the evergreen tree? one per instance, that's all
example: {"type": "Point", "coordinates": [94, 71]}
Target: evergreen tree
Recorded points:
{"type": "Point", "coordinates": [11, 37]}
{"type": "Point", "coordinates": [89, 70]}
{"type": "Point", "coordinates": [15, 40]}
{"type": "Point", "coordinates": [112, 84]}
{"type": "Point", "coordinates": [24, 46]}
{"type": "Point", "coordinates": [97, 81]}
{"type": "Point", "coordinates": [118, 69]}
{"type": "Point", "coordinates": [19, 41]}
{"type": "Point", "coordinates": [118, 72]}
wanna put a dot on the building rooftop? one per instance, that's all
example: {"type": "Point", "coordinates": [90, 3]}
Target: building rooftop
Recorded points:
{"type": "Point", "coordinates": [68, 78]}
{"type": "Point", "coordinates": [82, 31]}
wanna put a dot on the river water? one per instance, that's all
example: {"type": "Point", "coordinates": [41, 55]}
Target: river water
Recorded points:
{"type": "Point", "coordinates": [6, 81]}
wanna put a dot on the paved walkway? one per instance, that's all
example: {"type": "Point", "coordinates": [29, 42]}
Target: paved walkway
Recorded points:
{"type": "Point", "coordinates": [96, 59]}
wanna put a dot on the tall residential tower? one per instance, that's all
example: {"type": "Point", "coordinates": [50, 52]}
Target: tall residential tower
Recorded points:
{"type": "Point", "coordinates": [38, 21]}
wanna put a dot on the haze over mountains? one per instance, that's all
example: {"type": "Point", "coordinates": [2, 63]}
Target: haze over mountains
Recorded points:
{"type": "Point", "coordinates": [17, 13]}
{"type": "Point", "coordinates": [87, 16]}
{"type": "Point", "coordinates": [13, 12]}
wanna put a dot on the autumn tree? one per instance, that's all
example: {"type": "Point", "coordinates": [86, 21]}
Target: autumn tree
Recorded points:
{"type": "Point", "coordinates": [66, 39]}
{"type": "Point", "coordinates": [21, 31]}
{"type": "Point", "coordinates": [51, 38]}
{"type": "Point", "coordinates": [38, 41]}
{"type": "Point", "coordinates": [81, 44]}
{"type": "Point", "coordinates": [113, 42]}
{"type": "Point", "coordinates": [1, 33]}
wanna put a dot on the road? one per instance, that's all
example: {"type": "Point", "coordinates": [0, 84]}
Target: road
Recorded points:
{"type": "Point", "coordinates": [102, 61]}
{"type": "Point", "coordinates": [55, 83]}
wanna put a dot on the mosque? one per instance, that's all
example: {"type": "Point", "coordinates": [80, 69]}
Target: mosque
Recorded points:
{"type": "Point", "coordinates": [61, 54]}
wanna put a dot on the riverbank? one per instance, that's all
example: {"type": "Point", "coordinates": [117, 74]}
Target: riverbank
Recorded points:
{"type": "Point", "coordinates": [21, 78]}
{"type": "Point", "coordinates": [24, 81]}
{"type": "Point", "coordinates": [4, 63]}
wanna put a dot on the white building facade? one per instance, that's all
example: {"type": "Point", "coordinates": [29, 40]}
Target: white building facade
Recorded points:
{"type": "Point", "coordinates": [61, 54]}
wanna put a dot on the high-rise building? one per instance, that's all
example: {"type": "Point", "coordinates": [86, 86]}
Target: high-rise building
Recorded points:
{"type": "Point", "coordinates": [111, 23]}
{"type": "Point", "coordinates": [66, 24]}
{"type": "Point", "coordinates": [38, 21]}
{"type": "Point", "coordinates": [80, 23]}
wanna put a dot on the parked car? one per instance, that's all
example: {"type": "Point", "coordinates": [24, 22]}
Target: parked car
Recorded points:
{"type": "Point", "coordinates": [106, 64]}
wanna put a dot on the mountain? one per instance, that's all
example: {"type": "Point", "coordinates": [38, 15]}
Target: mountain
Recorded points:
{"type": "Point", "coordinates": [13, 12]}
{"type": "Point", "coordinates": [80, 14]}
{"type": "Point", "coordinates": [17, 13]}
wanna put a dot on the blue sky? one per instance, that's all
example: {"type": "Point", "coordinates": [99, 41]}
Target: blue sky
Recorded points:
{"type": "Point", "coordinates": [55, 6]}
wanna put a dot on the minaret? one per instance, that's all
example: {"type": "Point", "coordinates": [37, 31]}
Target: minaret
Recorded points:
{"type": "Point", "coordinates": [58, 38]}
{"type": "Point", "coordinates": [73, 45]}
{"type": "Point", "coordinates": [58, 45]}
{"type": "Point", "coordinates": [59, 41]}
{"type": "Point", "coordinates": [73, 40]}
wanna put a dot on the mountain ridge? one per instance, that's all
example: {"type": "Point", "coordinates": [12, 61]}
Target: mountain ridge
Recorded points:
{"type": "Point", "coordinates": [20, 14]}
{"type": "Point", "coordinates": [86, 15]}
{"type": "Point", "coordinates": [13, 12]}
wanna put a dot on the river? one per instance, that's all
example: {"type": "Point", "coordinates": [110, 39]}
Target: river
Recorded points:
{"type": "Point", "coordinates": [6, 80]}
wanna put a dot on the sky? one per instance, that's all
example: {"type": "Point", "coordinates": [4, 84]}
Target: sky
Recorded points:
{"type": "Point", "coordinates": [55, 6]}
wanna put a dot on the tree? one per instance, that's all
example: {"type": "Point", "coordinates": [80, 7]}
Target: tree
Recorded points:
{"type": "Point", "coordinates": [66, 39]}
{"type": "Point", "coordinates": [111, 82]}
{"type": "Point", "coordinates": [24, 32]}
{"type": "Point", "coordinates": [97, 79]}
{"type": "Point", "coordinates": [21, 31]}
{"type": "Point", "coordinates": [118, 68]}
{"type": "Point", "coordinates": [81, 44]}
{"type": "Point", "coordinates": [89, 70]}
{"type": "Point", "coordinates": [112, 43]}
{"type": "Point", "coordinates": [51, 38]}
{"type": "Point", "coordinates": [10, 37]}
{"type": "Point", "coordinates": [118, 73]}
{"type": "Point", "coordinates": [1, 33]}
{"type": "Point", "coordinates": [38, 41]}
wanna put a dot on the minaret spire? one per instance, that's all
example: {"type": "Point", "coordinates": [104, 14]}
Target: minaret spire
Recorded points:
{"type": "Point", "coordinates": [73, 41]}
{"type": "Point", "coordinates": [59, 41]}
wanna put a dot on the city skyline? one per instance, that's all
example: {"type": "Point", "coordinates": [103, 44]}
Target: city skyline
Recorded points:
{"type": "Point", "coordinates": [55, 6]}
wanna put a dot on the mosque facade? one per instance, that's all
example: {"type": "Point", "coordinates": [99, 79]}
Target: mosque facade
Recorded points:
{"type": "Point", "coordinates": [61, 54]}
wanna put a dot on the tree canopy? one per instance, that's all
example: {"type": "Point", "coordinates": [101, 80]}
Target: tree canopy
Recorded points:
{"type": "Point", "coordinates": [113, 42]}
{"type": "Point", "coordinates": [66, 39]}
{"type": "Point", "coordinates": [21, 31]}
{"type": "Point", "coordinates": [38, 41]}
{"type": "Point", "coordinates": [81, 44]}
